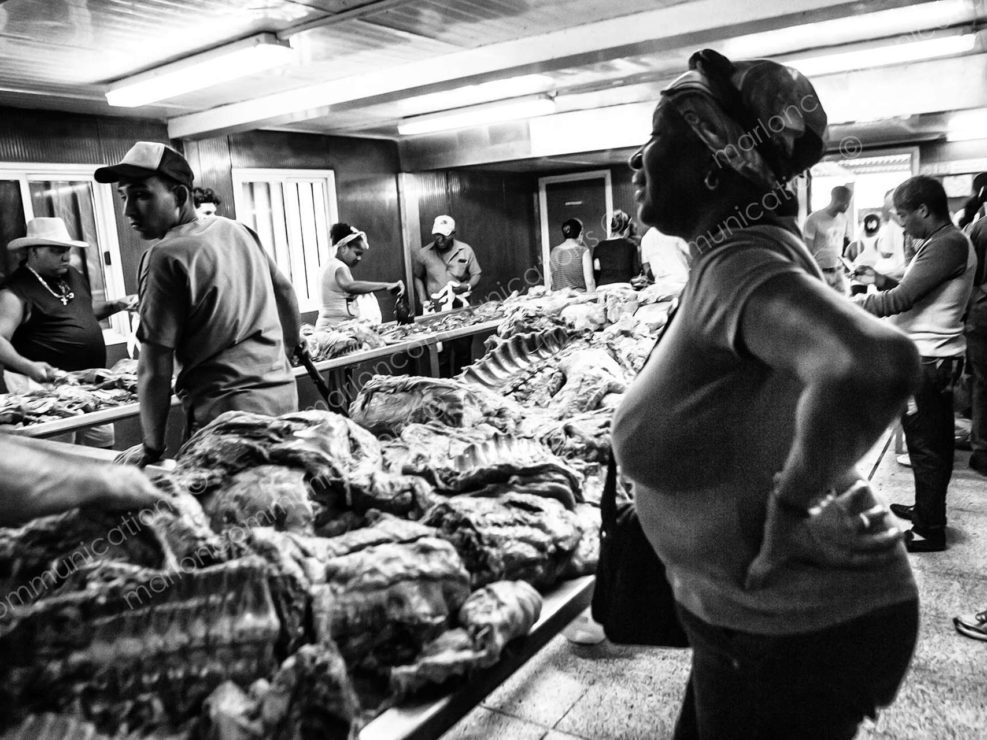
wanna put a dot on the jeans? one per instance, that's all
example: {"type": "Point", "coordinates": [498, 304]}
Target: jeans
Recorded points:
{"type": "Point", "coordinates": [976, 352]}
{"type": "Point", "coordinates": [810, 686]}
{"type": "Point", "coordinates": [930, 438]}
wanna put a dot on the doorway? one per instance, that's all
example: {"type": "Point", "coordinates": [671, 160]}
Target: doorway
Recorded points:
{"type": "Point", "coordinates": [585, 195]}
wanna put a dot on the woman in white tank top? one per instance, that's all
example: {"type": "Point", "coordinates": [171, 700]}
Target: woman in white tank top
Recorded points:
{"type": "Point", "coordinates": [339, 290]}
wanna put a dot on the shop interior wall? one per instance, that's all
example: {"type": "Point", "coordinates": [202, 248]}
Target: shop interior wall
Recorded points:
{"type": "Point", "coordinates": [495, 214]}
{"type": "Point", "coordinates": [51, 137]}
{"type": "Point", "coordinates": [366, 186]}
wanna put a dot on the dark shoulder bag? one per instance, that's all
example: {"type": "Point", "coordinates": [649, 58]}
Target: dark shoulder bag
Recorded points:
{"type": "Point", "coordinates": [632, 597]}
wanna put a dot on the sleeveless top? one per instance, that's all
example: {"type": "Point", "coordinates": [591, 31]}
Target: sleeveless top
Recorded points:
{"type": "Point", "coordinates": [66, 336]}
{"type": "Point", "coordinates": [618, 261]}
{"type": "Point", "coordinates": [566, 263]}
{"type": "Point", "coordinates": [337, 304]}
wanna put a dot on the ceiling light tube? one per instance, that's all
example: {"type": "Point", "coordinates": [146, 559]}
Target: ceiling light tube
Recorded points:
{"type": "Point", "coordinates": [504, 110]}
{"type": "Point", "coordinates": [239, 59]}
{"type": "Point", "coordinates": [882, 56]}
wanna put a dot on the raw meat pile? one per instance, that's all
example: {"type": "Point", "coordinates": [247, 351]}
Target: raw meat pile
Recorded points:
{"type": "Point", "coordinates": [316, 569]}
{"type": "Point", "coordinates": [85, 391]}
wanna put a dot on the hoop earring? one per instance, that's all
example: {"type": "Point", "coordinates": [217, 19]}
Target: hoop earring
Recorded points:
{"type": "Point", "coordinates": [711, 181]}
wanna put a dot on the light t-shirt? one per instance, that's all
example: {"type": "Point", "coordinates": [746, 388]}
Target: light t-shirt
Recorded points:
{"type": "Point", "coordinates": [701, 432]}
{"type": "Point", "coordinates": [206, 291]}
{"type": "Point", "coordinates": [337, 304]}
{"type": "Point", "coordinates": [824, 236]}
{"type": "Point", "coordinates": [668, 256]}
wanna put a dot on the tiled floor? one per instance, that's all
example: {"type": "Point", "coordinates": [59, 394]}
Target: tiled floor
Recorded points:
{"type": "Point", "coordinates": [610, 692]}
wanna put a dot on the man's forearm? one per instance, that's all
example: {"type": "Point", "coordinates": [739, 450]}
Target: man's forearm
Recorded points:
{"type": "Point", "coordinates": [420, 290]}
{"type": "Point", "coordinates": [154, 393]}
{"type": "Point", "coordinates": [474, 279]}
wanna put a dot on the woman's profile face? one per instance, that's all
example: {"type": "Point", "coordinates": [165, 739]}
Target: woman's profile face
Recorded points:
{"type": "Point", "coordinates": [668, 173]}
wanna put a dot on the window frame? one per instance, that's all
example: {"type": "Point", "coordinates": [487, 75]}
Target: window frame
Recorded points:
{"type": "Point", "coordinates": [296, 253]}
{"type": "Point", "coordinates": [26, 173]}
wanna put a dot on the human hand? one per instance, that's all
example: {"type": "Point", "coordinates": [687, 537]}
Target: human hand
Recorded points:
{"type": "Point", "coordinates": [42, 372]}
{"type": "Point", "coordinates": [397, 287]}
{"type": "Point", "coordinates": [128, 303]}
{"type": "Point", "coordinates": [851, 530]}
{"type": "Point", "coordinates": [459, 288]}
{"type": "Point", "coordinates": [122, 488]}
{"type": "Point", "coordinates": [138, 455]}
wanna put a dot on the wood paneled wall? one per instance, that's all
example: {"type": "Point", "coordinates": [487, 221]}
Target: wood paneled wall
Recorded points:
{"type": "Point", "coordinates": [366, 186]}
{"type": "Point", "coordinates": [65, 138]}
{"type": "Point", "coordinates": [495, 213]}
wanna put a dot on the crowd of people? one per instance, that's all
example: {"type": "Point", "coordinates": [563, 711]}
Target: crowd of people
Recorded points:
{"type": "Point", "coordinates": [755, 545]}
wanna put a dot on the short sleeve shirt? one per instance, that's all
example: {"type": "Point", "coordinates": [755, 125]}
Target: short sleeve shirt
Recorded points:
{"type": "Point", "coordinates": [701, 432]}
{"type": "Point", "coordinates": [206, 292]}
{"type": "Point", "coordinates": [824, 236]}
{"type": "Point", "coordinates": [437, 268]}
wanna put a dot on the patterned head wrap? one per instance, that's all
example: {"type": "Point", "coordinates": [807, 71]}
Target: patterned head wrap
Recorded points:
{"type": "Point", "coordinates": [758, 117]}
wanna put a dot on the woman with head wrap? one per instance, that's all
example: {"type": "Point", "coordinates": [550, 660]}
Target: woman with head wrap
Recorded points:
{"type": "Point", "coordinates": [570, 262]}
{"type": "Point", "coordinates": [742, 431]}
{"type": "Point", "coordinates": [339, 290]}
{"type": "Point", "coordinates": [617, 260]}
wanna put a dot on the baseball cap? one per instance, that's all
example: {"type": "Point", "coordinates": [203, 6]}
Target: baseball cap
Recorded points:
{"type": "Point", "coordinates": [444, 225]}
{"type": "Point", "coordinates": [147, 158]}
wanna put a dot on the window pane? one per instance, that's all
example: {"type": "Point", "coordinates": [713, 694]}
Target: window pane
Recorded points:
{"type": "Point", "coordinates": [291, 215]}
{"type": "Point", "coordinates": [72, 201]}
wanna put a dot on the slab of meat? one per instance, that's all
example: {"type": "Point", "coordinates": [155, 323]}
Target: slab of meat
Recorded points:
{"type": "Point", "coordinates": [590, 375]}
{"type": "Point", "coordinates": [380, 604]}
{"type": "Point", "coordinates": [579, 439]}
{"type": "Point", "coordinates": [341, 460]}
{"type": "Point", "coordinates": [310, 696]}
{"type": "Point", "coordinates": [38, 558]}
{"type": "Point", "coordinates": [268, 495]}
{"type": "Point", "coordinates": [140, 652]}
{"type": "Point", "coordinates": [511, 537]}
{"type": "Point", "coordinates": [501, 464]}
{"type": "Point", "coordinates": [386, 404]}
{"type": "Point", "coordinates": [490, 618]}
{"type": "Point", "coordinates": [507, 358]}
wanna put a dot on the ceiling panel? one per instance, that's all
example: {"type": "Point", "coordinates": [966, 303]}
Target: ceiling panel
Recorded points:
{"type": "Point", "coordinates": [361, 66]}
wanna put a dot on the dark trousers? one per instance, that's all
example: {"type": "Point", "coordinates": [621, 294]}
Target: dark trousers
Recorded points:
{"type": "Point", "coordinates": [810, 686]}
{"type": "Point", "coordinates": [930, 438]}
{"type": "Point", "coordinates": [976, 352]}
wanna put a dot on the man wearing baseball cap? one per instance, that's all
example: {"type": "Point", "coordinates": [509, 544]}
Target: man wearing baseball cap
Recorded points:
{"type": "Point", "coordinates": [48, 322]}
{"type": "Point", "coordinates": [445, 272]}
{"type": "Point", "coordinates": [212, 302]}
{"type": "Point", "coordinates": [446, 261]}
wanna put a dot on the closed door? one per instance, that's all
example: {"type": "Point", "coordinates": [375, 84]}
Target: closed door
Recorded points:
{"type": "Point", "coordinates": [586, 196]}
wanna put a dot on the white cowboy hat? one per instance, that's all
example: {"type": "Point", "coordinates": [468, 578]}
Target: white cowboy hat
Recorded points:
{"type": "Point", "coordinates": [46, 232]}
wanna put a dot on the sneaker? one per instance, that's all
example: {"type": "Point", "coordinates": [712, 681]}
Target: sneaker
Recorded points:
{"type": "Point", "coordinates": [584, 630]}
{"type": "Point", "coordinates": [916, 542]}
{"type": "Point", "coordinates": [904, 459]}
{"type": "Point", "coordinates": [902, 511]}
{"type": "Point", "coordinates": [972, 625]}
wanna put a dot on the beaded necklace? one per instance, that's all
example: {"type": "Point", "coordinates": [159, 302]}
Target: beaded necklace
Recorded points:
{"type": "Point", "coordinates": [65, 296]}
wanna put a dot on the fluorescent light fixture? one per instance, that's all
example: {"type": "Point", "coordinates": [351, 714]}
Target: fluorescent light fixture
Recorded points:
{"type": "Point", "coordinates": [853, 28]}
{"type": "Point", "coordinates": [881, 56]}
{"type": "Point", "coordinates": [225, 63]}
{"type": "Point", "coordinates": [504, 110]}
{"type": "Point", "coordinates": [967, 125]}
{"type": "Point", "coordinates": [482, 92]}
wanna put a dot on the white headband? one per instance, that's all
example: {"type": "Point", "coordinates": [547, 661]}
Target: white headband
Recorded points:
{"type": "Point", "coordinates": [350, 237]}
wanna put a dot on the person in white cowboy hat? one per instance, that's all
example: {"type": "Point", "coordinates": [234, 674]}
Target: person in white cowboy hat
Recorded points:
{"type": "Point", "coordinates": [49, 323]}
{"type": "Point", "coordinates": [213, 305]}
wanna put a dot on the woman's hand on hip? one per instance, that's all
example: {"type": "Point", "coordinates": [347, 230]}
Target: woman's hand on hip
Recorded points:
{"type": "Point", "coordinates": [849, 530]}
